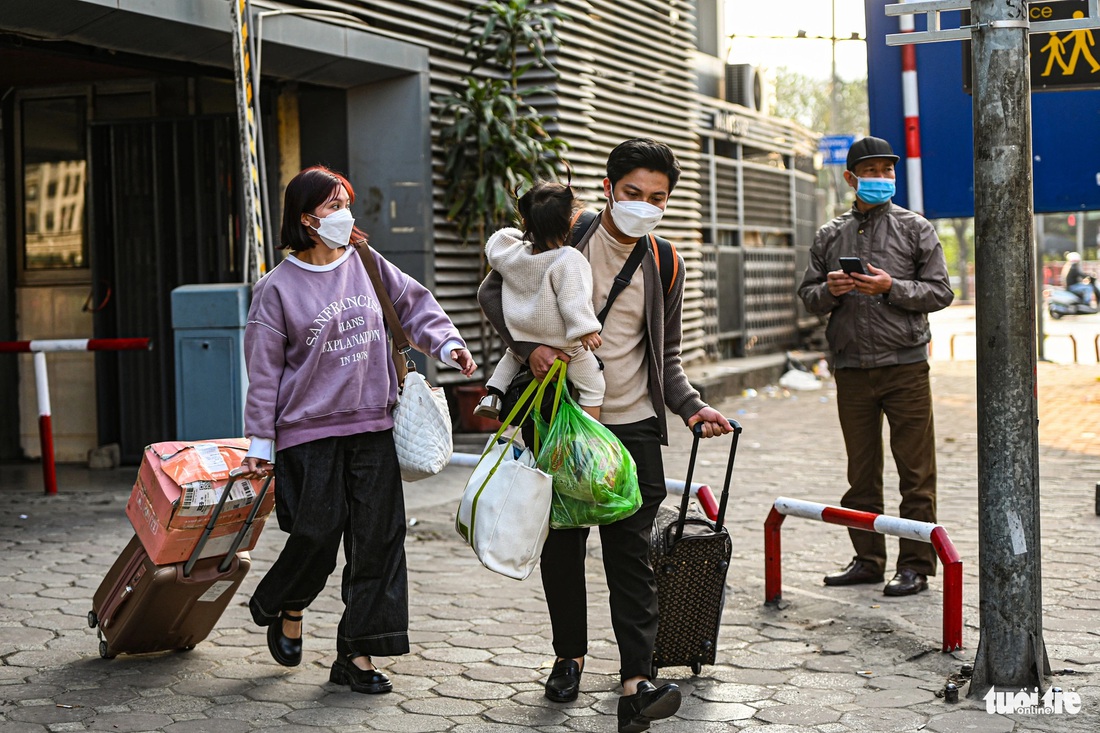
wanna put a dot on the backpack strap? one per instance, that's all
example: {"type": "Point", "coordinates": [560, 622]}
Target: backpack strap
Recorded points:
{"type": "Point", "coordinates": [667, 261]}
{"type": "Point", "coordinates": [582, 222]}
{"type": "Point", "coordinates": [623, 278]}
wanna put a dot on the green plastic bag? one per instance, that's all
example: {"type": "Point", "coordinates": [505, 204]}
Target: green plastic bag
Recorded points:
{"type": "Point", "coordinates": [595, 478]}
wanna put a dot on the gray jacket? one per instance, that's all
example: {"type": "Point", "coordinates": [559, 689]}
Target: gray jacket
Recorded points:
{"type": "Point", "coordinates": [876, 331]}
{"type": "Point", "coordinates": [668, 385]}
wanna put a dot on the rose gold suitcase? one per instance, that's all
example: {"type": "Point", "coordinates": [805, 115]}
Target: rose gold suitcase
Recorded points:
{"type": "Point", "coordinates": [141, 607]}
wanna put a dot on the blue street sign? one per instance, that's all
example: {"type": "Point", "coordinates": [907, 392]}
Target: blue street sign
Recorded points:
{"type": "Point", "coordinates": [834, 148]}
{"type": "Point", "coordinates": [1065, 147]}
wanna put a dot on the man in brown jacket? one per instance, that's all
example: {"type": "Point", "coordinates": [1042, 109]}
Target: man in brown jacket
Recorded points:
{"type": "Point", "coordinates": [641, 348]}
{"type": "Point", "coordinates": [878, 333]}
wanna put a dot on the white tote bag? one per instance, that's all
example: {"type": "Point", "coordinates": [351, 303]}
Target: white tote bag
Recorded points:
{"type": "Point", "coordinates": [505, 510]}
{"type": "Point", "coordinates": [421, 428]}
{"type": "Point", "coordinates": [504, 514]}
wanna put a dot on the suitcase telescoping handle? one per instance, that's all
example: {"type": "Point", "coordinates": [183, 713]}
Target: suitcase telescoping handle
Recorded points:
{"type": "Point", "coordinates": [209, 528]}
{"type": "Point", "coordinates": [225, 563]}
{"type": "Point", "coordinates": [697, 433]}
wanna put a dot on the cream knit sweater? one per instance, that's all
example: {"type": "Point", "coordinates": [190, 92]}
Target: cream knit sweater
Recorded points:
{"type": "Point", "coordinates": [546, 297]}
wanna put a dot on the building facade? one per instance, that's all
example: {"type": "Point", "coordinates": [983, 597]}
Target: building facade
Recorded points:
{"type": "Point", "coordinates": [120, 174]}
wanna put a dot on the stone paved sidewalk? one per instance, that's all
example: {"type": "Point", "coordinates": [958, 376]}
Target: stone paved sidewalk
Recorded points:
{"type": "Point", "coordinates": [833, 660]}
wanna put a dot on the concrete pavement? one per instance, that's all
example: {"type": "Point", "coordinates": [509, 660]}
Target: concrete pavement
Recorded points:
{"type": "Point", "coordinates": [832, 660]}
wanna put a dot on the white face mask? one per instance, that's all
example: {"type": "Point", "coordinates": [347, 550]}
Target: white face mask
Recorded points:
{"type": "Point", "coordinates": [635, 218]}
{"type": "Point", "coordinates": [335, 229]}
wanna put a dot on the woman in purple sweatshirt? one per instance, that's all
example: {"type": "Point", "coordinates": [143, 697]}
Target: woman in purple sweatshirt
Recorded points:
{"type": "Point", "coordinates": [319, 413]}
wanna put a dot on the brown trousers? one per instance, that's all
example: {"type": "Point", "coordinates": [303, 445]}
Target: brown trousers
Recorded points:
{"type": "Point", "coordinates": [901, 393]}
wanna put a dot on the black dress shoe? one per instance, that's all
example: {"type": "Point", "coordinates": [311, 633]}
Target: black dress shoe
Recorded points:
{"type": "Point", "coordinates": [857, 571]}
{"type": "Point", "coordinates": [285, 651]}
{"type": "Point", "coordinates": [649, 703]}
{"type": "Point", "coordinates": [905, 583]}
{"type": "Point", "coordinates": [368, 681]}
{"type": "Point", "coordinates": [564, 682]}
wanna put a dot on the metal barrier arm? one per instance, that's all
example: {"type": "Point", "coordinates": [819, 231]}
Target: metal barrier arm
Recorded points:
{"type": "Point", "coordinates": [39, 348]}
{"type": "Point", "coordinates": [934, 534]}
{"type": "Point", "coordinates": [43, 345]}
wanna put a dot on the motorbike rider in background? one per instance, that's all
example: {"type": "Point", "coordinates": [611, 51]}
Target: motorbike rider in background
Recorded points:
{"type": "Point", "coordinates": [1077, 282]}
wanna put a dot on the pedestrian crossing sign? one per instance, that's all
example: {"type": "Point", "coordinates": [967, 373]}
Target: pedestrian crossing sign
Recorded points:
{"type": "Point", "coordinates": [1060, 60]}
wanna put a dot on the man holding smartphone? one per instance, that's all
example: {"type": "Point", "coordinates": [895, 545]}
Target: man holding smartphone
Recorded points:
{"type": "Point", "coordinates": [878, 271]}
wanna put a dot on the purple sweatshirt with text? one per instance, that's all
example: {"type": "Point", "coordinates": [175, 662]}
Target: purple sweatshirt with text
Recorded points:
{"type": "Point", "coordinates": [316, 351]}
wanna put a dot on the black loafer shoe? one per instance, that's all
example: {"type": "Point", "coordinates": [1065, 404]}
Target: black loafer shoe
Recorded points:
{"type": "Point", "coordinates": [649, 703]}
{"type": "Point", "coordinates": [906, 583]}
{"type": "Point", "coordinates": [857, 571]}
{"type": "Point", "coordinates": [564, 682]}
{"type": "Point", "coordinates": [285, 651]}
{"type": "Point", "coordinates": [367, 681]}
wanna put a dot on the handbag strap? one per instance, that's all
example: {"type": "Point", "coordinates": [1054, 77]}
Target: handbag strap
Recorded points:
{"type": "Point", "coordinates": [537, 389]}
{"type": "Point", "coordinates": [402, 362]}
{"type": "Point", "coordinates": [558, 391]}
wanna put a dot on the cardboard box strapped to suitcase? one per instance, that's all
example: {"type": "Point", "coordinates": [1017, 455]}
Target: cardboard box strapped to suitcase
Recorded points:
{"type": "Point", "coordinates": [178, 484]}
{"type": "Point", "coordinates": [690, 557]}
{"type": "Point", "coordinates": [142, 606]}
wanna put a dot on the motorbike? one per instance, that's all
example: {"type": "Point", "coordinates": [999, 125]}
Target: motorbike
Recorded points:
{"type": "Point", "coordinates": [1064, 302]}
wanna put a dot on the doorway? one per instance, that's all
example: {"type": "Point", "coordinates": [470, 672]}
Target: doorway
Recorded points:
{"type": "Point", "coordinates": [164, 202]}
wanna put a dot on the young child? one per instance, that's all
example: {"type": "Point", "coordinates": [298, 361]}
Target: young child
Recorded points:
{"type": "Point", "coordinates": [547, 295]}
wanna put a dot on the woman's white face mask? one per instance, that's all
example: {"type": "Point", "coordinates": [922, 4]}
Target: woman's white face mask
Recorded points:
{"type": "Point", "coordinates": [634, 218]}
{"type": "Point", "coordinates": [335, 229]}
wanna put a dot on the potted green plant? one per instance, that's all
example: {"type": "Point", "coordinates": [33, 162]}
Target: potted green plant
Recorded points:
{"type": "Point", "coordinates": [496, 139]}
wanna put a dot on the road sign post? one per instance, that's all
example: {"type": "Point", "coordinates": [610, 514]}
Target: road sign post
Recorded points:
{"type": "Point", "coordinates": [1011, 651]}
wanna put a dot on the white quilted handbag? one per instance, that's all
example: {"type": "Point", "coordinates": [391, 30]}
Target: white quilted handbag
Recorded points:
{"type": "Point", "coordinates": [421, 428]}
{"type": "Point", "coordinates": [421, 418]}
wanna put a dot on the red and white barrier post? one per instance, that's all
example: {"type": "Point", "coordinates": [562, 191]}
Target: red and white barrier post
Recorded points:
{"type": "Point", "coordinates": [934, 534]}
{"type": "Point", "coordinates": [42, 384]}
{"type": "Point", "coordinates": [914, 176]}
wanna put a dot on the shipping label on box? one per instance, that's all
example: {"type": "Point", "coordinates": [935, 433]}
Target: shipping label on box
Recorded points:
{"type": "Point", "coordinates": [200, 497]}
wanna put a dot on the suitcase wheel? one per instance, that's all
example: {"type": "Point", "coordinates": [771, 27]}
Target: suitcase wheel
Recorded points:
{"type": "Point", "coordinates": [696, 667]}
{"type": "Point", "coordinates": [93, 620]}
{"type": "Point", "coordinates": [653, 672]}
{"type": "Point", "coordinates": [185, 648]}
{"type": "Point", "coordinates": [105, 651]}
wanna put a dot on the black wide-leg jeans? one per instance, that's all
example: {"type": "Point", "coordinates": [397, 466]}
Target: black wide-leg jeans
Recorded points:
{"type": "Point", "coordinates": [625, 545]}
{"type": "Point", "coordinates": [343, 488]}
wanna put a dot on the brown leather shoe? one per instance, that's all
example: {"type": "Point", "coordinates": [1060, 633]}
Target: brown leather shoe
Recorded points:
{"type": "Point", "coordinates": [857, 571]}
{"type": "Point", "coordinates": [906, 583]}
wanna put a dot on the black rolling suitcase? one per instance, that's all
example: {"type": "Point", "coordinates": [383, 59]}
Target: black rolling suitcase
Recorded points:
{"type": "Point", "coordinates": [141, 607]}
{"type": "Point", "coordinates": [690, 556]}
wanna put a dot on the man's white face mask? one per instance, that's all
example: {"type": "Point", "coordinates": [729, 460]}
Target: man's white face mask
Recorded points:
{"type": "Point", "coordinates": [634, 218]}
{"type": "Point", "coordinates": [335, 229]}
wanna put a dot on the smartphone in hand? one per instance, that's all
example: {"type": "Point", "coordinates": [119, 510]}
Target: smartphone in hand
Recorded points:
{"type": "Point", "coordinates": [852, 265]}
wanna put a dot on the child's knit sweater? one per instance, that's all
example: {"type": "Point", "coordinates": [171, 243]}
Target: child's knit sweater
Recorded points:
{"type": "Point", "coordinates": [547, 296]}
